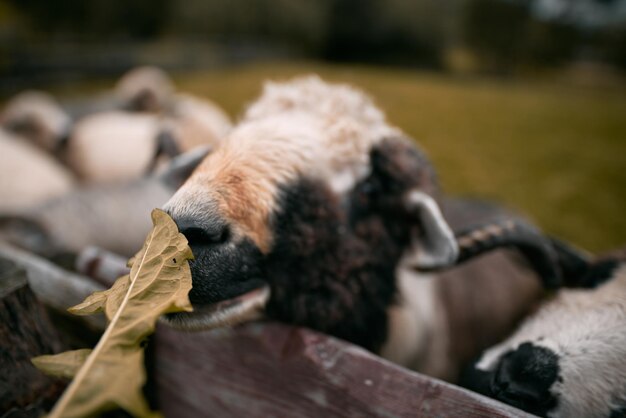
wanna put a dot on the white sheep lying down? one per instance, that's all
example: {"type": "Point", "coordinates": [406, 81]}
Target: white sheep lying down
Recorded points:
{"type": "Point", "coordinates": [569, 358]}
{"type": "Point", "coordinates": [28, 175]}
{"type": "Point", "coordinates": [114, 146]}
{"type": "Point", "coordinates": [115, 217]}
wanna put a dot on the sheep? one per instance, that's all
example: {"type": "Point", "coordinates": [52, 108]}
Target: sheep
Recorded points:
{"type": "Point", "coordinates": [316, 212]}
{"type": "Point", "coordinates": [114, 217]}
{"type": "Point", "coordinates": [113, 146]}
{"type": "Point", "coordinates": [145, 89]}
{"type": "Point", "coordinates": [38, 117]}
{"type": "Point", "coordinates": [100, 146]}
{"type": "Point", "coordinates": [120, 144]}
{"type": "Point", "coordinates": [194, 120]}
{"type": "Point", "coordinates": [197, 121]}
{"type": "Point", "coordinates": [105, 146]}
{"type": "Point", "coordinates": [569, 358]}
{"type": "Point", "coordinates": [28, 175]}
{"type": "Point", "coordinates": [117, 146]}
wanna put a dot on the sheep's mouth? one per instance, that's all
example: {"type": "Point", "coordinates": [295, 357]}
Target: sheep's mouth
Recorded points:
{"type": "Point", "coordinates": [243, 308]}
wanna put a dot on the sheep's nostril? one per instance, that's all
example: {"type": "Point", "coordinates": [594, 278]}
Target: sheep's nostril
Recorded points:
{"type": "Point", "coordinates": [194, 235]}
{"type": "Point", "coordinates": [204, 235]}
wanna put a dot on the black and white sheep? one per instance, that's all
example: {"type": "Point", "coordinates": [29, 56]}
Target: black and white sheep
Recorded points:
{"type": "Point", "coordinates": [569, 358]}
{"type": "Point", "coordinates": [316, 212]}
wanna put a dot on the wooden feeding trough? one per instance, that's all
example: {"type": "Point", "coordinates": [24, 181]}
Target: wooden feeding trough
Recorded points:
{"type": "Point", "coordinates": [275, 370]}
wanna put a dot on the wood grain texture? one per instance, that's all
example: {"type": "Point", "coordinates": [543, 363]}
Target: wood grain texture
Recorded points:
{"type": "Point", "coordinates": [275, 370]}
{"type": "Point", "coordinates": [25, 332]}
{"type": "Point", "coordinates": [55, 287]}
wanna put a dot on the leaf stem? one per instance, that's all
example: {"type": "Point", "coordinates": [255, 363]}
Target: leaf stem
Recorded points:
{"type": "Point", "coordinates": [57, 411]}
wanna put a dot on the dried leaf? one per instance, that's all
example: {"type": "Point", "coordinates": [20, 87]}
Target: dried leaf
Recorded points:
{"type": "Point", "coordinates": [63, 365]}
{"type": "Point", "coordinates": [112, 375]}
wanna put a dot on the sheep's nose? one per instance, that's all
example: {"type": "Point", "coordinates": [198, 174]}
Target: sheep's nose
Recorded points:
{"type": "Point", "coordinates": [524, 377]}
{"type": "Point", "coordinates": [203, 234]}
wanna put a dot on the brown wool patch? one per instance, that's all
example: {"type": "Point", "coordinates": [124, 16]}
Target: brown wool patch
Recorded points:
{"type": "Point", "coordinates": [242, 202]}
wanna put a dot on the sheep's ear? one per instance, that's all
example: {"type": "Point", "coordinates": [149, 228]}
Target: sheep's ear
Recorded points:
{"type": "Point", "coordinates": [434, 246]}
{"type": "Point", "coordinates": [181, 167]}
{"type": "Point", "coordinates": [167, 144]}
{"type": "Point", "coordinates": [63, 138]}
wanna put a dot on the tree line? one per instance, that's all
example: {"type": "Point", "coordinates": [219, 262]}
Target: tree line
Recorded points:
{"type": "Point", "coordinates": [500, 35]}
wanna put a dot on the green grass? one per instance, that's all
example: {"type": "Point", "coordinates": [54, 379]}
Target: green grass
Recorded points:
{"type": "Point", "coordinates": [555, 152]}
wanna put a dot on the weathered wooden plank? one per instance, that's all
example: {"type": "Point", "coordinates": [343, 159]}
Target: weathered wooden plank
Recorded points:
{"type": "Point", "coordinates": [25, 332]}
{"type": "Point", "coordinates": [55, 287]}
{"type": "Point", "coordinates": [274, 370]}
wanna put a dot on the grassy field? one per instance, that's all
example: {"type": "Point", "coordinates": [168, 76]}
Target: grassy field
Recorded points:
{"type": "Point", "coordinates": [556, 153]}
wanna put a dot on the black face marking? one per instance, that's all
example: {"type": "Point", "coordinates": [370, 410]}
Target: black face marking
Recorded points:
{"type": "Point", "coordinates": [224, 272]}
{"type": "Point", "coordinates": [476, 380]}
{"type": "Point", "coordinates": [332, 265]}
{"type": "Point", "coordinates": [619, 412]}
{"type": "Point", "coordinates": [599, 273]}
{"type": "Point", "coordinates": [324, 273]}
{"type": "Point", "coordinates": [581, 271]}
{"type": "Point", "coordinates": [523, 378]}
{"type": "Point", "coordinates": [221, 269]}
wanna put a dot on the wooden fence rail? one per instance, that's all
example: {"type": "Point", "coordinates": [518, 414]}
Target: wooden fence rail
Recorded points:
{"type": "Point", "coordinates": [274, 370]}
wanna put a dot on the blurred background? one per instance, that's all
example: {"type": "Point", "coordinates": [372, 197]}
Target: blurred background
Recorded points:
{"type": "Point", "coordinates": [519, 101]}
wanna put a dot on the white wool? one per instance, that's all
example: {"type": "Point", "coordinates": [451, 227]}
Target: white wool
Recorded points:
{"type": "Point", "coordinates": [113, 146]}
{"type": "Point", "coordinates": [347, 121]}
{"type": "Point", "coordinates": [28, 175]}
{"type": "Point", "coordinates": [587, 331]}
{"type": "Point", "coordinates": [301, 128]}
{"type": "Point", "coordinates": [416, 322]}
{"type": "Point", "coordinates": [197, 121]}
{"type": "Point", "coordinates": [312, 94]}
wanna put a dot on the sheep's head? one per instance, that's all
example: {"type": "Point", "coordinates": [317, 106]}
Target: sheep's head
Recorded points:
{"type": "Point", "coordinates": [314, 200]}
{"type": "Point", "coordinates": [145, 89]}
{"type": "Point", "coordinates": [38, 117]}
